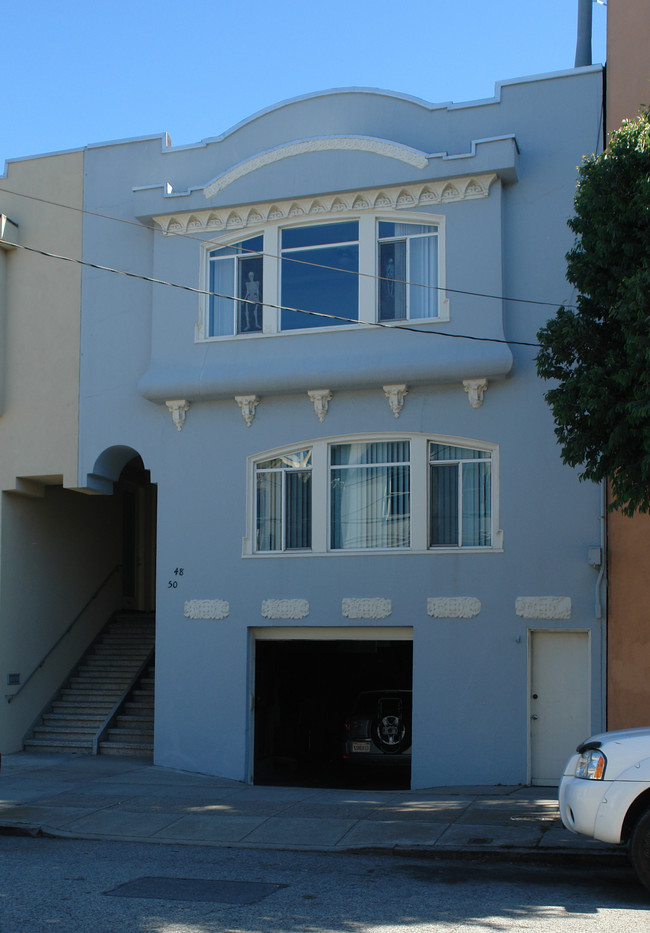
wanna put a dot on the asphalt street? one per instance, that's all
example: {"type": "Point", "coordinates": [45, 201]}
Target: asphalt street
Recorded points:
{"type": "Point", "coordinates": [114, 887]}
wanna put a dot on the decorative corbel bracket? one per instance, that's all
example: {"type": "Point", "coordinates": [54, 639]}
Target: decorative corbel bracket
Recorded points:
{"type": "Point", "coordinates": [248, 404]}
{"type": "Point", "coordinates": [395, 395]}
{"type": "Point", "coordinates": [321, 399]}
{"type": "Point", "coordinates": [476, 389]}
{"type": "Point", "coordinates": [178, 408]}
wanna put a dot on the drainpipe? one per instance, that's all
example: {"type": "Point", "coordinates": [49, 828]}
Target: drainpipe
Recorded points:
{"type": "Point", "coordinates": [583, 43]}
{"type": "Point", "coordinates": [8, 240]}
{"type": "Point", "coordinates": [601, 601]}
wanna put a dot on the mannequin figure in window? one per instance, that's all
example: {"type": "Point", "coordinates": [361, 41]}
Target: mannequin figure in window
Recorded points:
{"type": "Point", "coordinates": [251, 313]}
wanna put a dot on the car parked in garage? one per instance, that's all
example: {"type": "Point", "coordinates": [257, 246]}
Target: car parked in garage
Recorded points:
{"type": "Point", "coordinates": [605, 793]}
{"type": "Point", "coordinates": [378, 728]}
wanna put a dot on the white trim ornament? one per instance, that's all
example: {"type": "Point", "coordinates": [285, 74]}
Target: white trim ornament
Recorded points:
{"type": "Point", "coordinates": [543, 607]}
{"type": "Point", "coordinates": [207, 609]}
{"type": "Point", "coordinates": [321, 399]}
{"type": "Point", "coordinates": [476, 389]}
{"type": "Point", "coordinates": [381, 147]}
{"type": "Point", "coordinates": [178, 409]}
{"type": "Point", "coordinates": [375, 608]}
{"type": "Point", "coordinates": [219, 220]}
{"type": "Point", "coordinates": [285, 609]}
{"type": "Point", "coordinates": [248, 404]}
{"type": "Point", "coordinates": [453, 607]}
{"type": "Point", "coordinates": [395, 395]}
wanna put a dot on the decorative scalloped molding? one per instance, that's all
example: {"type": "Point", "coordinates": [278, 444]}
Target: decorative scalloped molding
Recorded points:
{"type": "Point", "coordinates": [543, 607]}
{"type": "Point", "coordinates": [285, 609]}
{"type": "Point", "coordinates": [207, 609]}
{"type": "Point", "coordinates": [220, 220]}
{"type": "Point", "coordinates": [381, 147]}
{"type": "Point", "coordinates": [453, 607]}
{"type": "Point", "coordinates": [321, 399]}
{"type": "Point", "coordinates": [366, 608]}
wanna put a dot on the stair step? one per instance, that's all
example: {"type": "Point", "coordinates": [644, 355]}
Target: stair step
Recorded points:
{"type": "Point", "coordinates": [130, 735]}
{"type": "Point", "coordinates": [60, 745]}
{"type": "Point", "coordinates": [74, 719]}
{"type": "Point", "coordinates": [127, 749]}
{"type": "Point", "coordinates": [68, 733]}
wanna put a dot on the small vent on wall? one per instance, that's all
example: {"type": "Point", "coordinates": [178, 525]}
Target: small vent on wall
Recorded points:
{"type": "Point", "coordinates": [13, 680]}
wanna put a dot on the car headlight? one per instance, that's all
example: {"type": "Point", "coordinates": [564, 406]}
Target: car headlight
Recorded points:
{"type": "Point", "coordinates": [591, 765]}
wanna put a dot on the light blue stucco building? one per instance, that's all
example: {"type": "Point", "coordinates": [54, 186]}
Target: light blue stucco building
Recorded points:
{"type": "Point", "coordinates": [320, 343]}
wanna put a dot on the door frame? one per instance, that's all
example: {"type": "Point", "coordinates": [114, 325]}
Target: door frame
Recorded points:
{"type": "Point", "coordinates": [307, 633]}
{"type": "Point", "coordinates": [529, 685]}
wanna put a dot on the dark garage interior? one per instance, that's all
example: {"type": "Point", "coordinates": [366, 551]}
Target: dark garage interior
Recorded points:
{"type": "Point", "coordinates": [304, 690]}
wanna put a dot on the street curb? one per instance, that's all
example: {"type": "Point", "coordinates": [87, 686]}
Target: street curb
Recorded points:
{"type": "Point", "coordinates": [612, 857]}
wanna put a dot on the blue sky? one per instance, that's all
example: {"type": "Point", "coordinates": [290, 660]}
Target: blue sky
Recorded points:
{"type": "Point", "coordinates": [82, 72]}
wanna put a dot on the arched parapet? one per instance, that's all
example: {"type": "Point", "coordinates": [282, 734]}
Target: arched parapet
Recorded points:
{"type": "Point", "coordinates": [108, 467]}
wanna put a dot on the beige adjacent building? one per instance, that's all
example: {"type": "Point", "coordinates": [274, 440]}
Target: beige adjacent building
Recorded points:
{"type": "Point", "coordinates": [45, 577]}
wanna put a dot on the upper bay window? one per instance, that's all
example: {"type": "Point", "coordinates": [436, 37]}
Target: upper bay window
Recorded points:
{"type": "Point", "coordinates": [235, 283]}
{"type": "Point", "coordinates": [408, 266]}
{"type": "Point", "coordinates": [320, 266]}
{"type": "Point", "coordinates": [388, 494]}
{"type": "Point", "coordinates": [353, 270]}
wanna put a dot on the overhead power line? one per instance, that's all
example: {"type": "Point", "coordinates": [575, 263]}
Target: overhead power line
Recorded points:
{"type": "Point", "coordinates": [322, 314]}
{"type": "Point", "coordinates": [286, 258]}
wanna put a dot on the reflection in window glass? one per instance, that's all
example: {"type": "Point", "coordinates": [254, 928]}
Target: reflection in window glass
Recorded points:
{"type": "Point", "coordinates": [235, 305]}
{"type": "Point", "coordinates": [283, 502]}
{"type": "Point", "coordinates": [370, 495]}
{"type": "Point", "coordinates": [460, 493]}
{"type": "Point", "coordinates": [320, 266]}
{"type": "Point", "coordinates": [408, 269]}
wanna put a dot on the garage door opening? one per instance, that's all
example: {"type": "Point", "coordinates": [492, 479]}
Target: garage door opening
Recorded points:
{"type": "Point", "coordinates": [306, 694]}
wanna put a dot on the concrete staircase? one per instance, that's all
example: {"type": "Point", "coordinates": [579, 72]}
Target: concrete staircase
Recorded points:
{"type": "Point", "coordinates": [98, 688]}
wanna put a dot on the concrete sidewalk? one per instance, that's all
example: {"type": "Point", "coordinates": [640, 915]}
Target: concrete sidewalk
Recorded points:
{"type": "Point", "coordinates": [87, 797]}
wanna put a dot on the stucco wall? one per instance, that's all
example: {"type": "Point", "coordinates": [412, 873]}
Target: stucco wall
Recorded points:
{"type": "Point", "coordinates": [470, 678]}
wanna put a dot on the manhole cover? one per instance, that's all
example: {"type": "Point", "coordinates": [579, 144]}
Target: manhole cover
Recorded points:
{"type": "Point", "coordinates": [196, 889]}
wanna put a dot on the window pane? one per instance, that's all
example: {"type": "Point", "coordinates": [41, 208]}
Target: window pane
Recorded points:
{"type": "Point", "coordinates": [252, 245]}
{"type": "Point", "coordinates": [298, 510]}
{"type": "Point", "coordinates": [444, 506]}
{"type": "Point", "coordinates": [449, 452]}
{"type": "Point", "coordinates": [389, 229]}
{"type": "Point", "coordinates": [269, 511]}
{"type": "Point", "coordinates": [374, 452]}
{"type": "Point", "coordinates": [222, 307]}
{"type": "Point", "coordinates": [296, 459]}
{"type": "Point", "coordinates": [423, 276]}
{"type": "Point", "coordinates": [392, 287]}
{"type": "Point", "coordinates": [477, 504]}
{"type": "Point", "coordinates": [370, 507]}
{"type": "Point", "coordinates": [250, 288]}
{"type": "Point", "coordinates": [318, 235]}
{"type": "Point", "coordinates": [333, 290]}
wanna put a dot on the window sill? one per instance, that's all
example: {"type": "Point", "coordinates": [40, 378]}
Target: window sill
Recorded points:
{"type": "Point", "coordinates": [388, 552]}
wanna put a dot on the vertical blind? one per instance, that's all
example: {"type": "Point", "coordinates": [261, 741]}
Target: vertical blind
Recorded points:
{"type": "Point", "coordinates": [370, 495]}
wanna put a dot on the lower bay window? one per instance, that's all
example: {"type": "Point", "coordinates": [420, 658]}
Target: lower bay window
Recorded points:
{"type": "Point", "coordinates": [368, 495]}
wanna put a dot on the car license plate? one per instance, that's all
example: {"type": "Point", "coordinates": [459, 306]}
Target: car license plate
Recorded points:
{"type": "Point", "coordinates": [361, 746]}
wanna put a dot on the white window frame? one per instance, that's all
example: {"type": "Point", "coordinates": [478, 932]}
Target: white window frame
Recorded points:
{"type": "Point", "coordinates": [419, 491]}
{"type": "Point", "coordinates": [369, 275]}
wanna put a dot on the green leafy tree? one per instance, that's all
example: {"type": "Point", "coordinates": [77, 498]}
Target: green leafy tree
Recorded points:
{"type": "Point", "coordinates": [599, 350]}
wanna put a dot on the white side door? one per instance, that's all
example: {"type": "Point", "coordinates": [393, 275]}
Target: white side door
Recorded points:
{"type": "Point", "coordinates": [560, 695]}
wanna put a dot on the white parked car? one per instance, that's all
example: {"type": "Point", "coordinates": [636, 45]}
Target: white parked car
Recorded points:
{"type": "Point", "coordinates": [605, 793]}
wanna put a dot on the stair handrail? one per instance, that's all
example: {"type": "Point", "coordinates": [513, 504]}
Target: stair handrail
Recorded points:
{"type": "Point", "coordinates": [10, 696]}
{"type": "Point", "coordinates": [103, 729]}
